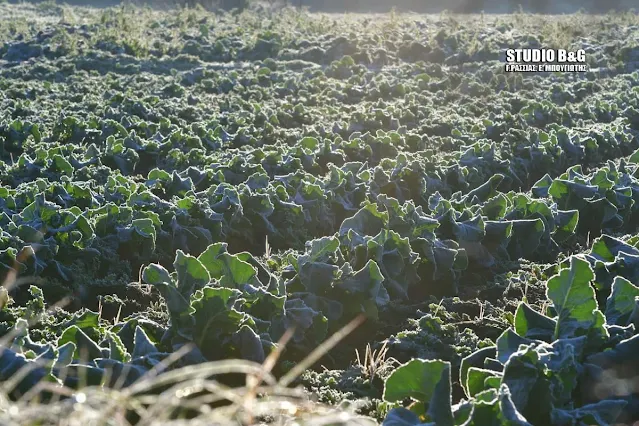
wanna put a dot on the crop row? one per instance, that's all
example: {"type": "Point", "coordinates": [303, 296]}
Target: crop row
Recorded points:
{"type": "Point", "coordinates": [228, 305]}
{"type": "Point", "coordinates": [96, 214]}
{"type": "Point", "coordinates": [384, 251]}
{"type": "Point", "coordinates": [572, 352]}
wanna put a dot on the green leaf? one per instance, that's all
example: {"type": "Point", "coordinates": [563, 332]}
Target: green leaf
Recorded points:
{"type": "Point", "coordinates": [427, 381]}
{"type": "Point", "coordinates": [64, 355]}
{"type": "Point", "coordinates": [309, 142]}
{"type": "Point", "coordinates": [508, 343]}
{"type": "Point", "coordinates": [367, 221]}
{"type": "Point", "coordinates": [24, 374]}
{"type": "Point", "coordinates": [248, 344]}
{"type": "Point", "coordinates": [262, 304]}
{"type": "Point", "coordinates": [310, 324]}
{"type": "Point", "coordinates": [563, 369]}
{"type": "Point", "coordinates": [417, 379]}
{"type": "Point", "coordinates": [509, 415]}
{"type": "Point", "coordinates": [29, 234]}
{"type": "Point", "coordinates": [528, 385]}
{"type": "Point", "coordinates": [624, 352]}
{"type": "Point", "coordinates": [496, 207]}
{"type": "Point", "coordinates": [495, 408]}
{"type": "Point", "coordinates": [158, 174]}
{"type": "Point", "coordinates": [320, 249]}
{"type": "Point", "coordinates": [177, 302]}
{"type": "Point", "coordinates": [440, 405]}
{"type": "Point", "coordinates": [487, 189]}
{"type": "Point", "coordinates": [228, 268]}
{"type": "Point", "coordinates": [363, 284]}
{"type": "Point", "coordinates": [532, 324]}
{"type": "Point", "coordinates": [566, 222]}
{"type": "Point", "coordinates": [156, 274]}
{"type": "Point", "coordinates": [62, 165]}
{"type": "Point", "coordinates": [403, 417]}
{"type": "Point", "coordinates": [144, 227]}
{"type": "Point", "coordinates": [476, 359]}
{"type": "Point", "coordinates": [85, 347]}
{"type": "Point", "coordinates": [142, 345]}
{"type": "Point", "coordinates": [396, 260]}
{"type": "Point", "coordinates": [606, 248]}
{"type": "Point", "coordinates": [212, 252]}
{"type": "Point", "coordinates": [318, 277]}
{"type": "Point", "coordinates": [191, 274]}
{"type": "Point", "coordinates": [215, 319]}
{"type": "Point", "coordinates": [602, 413]}
{"type": "Point", "coordinates": [476, 380]}
{"type": "Point", "coordinates": [541, 187]}
{"type": "Point", "coordinates": [117, 351]}
{"type": "Point", "coordinates": [574, 301]}
{"type": "Point", "coordinates": [525, 237]}
{"type": "Point", "coordinates": [472, 230]}
{"type": "Point", "coordinates": [621, 302]}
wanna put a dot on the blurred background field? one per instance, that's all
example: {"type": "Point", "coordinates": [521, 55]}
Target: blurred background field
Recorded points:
{"type": "Point", "coordinates": [383, 6]}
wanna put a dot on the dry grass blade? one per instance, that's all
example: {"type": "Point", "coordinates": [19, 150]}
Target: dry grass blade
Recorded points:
{"type": "Point", "coordinates": [184, 383]}
{"type": "Point", "coordinates": [267, 248]}
{"type": "Point", "coordinates": [322, 349]}
{"type": "Point", "coordinates": [254, 381]}
{"type": "Point", "coordinates": [380, 358]}
{"type": "Point", "coordinates": [165, 363]}
{"type": "Point", "coordinates": [117, 317]}
{"type": "Point", "coordinates": [373, 360]}
{"type": "Point", "coordinates": [173, 397]}
{"type": "Point", "coordinates": [53, 388]}
{"type": "Point", "coordinates": [198, 371]}
{"type": "Point", "coordinates": [9, 385]}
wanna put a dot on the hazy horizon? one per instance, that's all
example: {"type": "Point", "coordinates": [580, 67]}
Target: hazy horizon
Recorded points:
{"type": "Point", "coordinates": [384, 6]}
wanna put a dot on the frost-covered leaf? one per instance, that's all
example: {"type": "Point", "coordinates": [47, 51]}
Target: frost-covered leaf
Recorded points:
{"type": "Point", "coordinates": [621, 302]}
{"type": "Point", "coordinates": [574, 301]}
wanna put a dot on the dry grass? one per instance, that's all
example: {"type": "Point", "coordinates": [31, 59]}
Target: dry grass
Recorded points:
{"type": "Point", "coordinates": [160, 393]}
{"type": "Point", "coordinates": [374, 360]}
{"type": "Point", "coordinates": [155, 398]}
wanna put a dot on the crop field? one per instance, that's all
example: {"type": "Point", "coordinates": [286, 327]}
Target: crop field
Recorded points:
{"type": "Point", "coordinates": [286, 217]}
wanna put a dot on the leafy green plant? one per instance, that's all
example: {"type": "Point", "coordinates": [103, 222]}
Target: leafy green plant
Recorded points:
{"type": "Point", "coordinates": [532, 374]}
